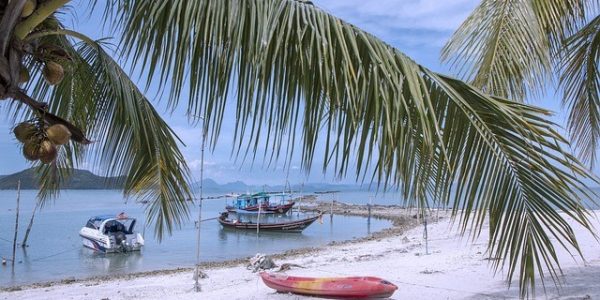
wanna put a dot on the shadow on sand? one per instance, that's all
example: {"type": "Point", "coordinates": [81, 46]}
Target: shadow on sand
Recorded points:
{"type": "Point", "coordinates": [576, 283]}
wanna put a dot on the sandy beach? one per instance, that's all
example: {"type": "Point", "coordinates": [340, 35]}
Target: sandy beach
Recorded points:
{"type": "Point", "coordinates": [452, 268]}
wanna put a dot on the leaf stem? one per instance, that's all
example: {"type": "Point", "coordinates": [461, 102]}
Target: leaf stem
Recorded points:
{"type": "Point", "coordinates": [43, 11]}
{"type": "Point", "coordinates": [72, 33]}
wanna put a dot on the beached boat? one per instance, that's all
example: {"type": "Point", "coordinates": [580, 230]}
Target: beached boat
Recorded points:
{"type": "Point", "coordinates": [261, 203]}
{"type": "Point", "coordinates": [334, 287]}
{"type": "Point", "coordinates": [235, 221]}
{"type": "Point", "coordinates": [111, 234]}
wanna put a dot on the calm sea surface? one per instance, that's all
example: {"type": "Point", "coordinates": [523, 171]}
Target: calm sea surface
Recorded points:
{"type": "Point", "coordinates": [56, 252]}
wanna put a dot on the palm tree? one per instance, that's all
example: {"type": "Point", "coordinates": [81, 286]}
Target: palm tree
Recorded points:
{"type": "Point", "coordinates": [295, 68]}
{"type": "Point", "coordinates": [516, 49]}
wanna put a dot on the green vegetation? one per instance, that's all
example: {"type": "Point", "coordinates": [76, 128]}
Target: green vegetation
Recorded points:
{"type": "Point", "coordinates": [517, 49]}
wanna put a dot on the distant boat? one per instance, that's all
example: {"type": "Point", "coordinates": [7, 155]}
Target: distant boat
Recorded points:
{"type": "Point", "coordinates": [330, 287]}
{"type": "Point", "coordinates": [261, 203]}
{"type": "Point", "coordinates": [234, 221]}
{"type": "Point", "coordinates": [111, 234]}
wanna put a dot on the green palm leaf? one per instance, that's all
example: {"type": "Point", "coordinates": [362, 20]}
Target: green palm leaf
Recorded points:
{"type": "Point", "coordinates": [502, 48]}
{"type": "Point", "coordinates": [294, 67]}
{"type": "Point", "coordinates": [510, 49]}
{"type": "Point", "coordinates": [130, 137]}
{"type": "Point", "coordinates": [581, 84]}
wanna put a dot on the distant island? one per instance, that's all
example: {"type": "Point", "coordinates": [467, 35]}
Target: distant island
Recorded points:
{"type": "Point", "coordinates": [86, 180]}
{"type": "Point", "coordinates": [79, 180]}
{"type": "Point", "coordinates": [210, 185]}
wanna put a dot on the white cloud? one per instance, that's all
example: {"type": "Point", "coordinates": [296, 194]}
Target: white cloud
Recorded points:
{"type": "Point", "coordinates": [416, 14]}
{"type": "Point", "coordinates": [410, 23]}
{"type": "Point", "coordinates": [196, 163]}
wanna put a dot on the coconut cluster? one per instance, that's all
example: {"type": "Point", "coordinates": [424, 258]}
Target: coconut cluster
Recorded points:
{"type": "Point", "coordinates": [41, 142]}
{"type": "Point", "coordinates": [49, 55]}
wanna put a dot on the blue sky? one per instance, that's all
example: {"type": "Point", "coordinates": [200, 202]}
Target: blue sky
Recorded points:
{"type": "Point", "coordinates": [417, 27]}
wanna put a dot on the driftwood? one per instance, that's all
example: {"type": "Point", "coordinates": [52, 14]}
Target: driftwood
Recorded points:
{"type": "Point", "coordinates": [287, 266]}
{"type": "Point", "coordinates": [261, 262]}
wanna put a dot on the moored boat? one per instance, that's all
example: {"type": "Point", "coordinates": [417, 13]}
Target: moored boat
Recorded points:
{"type": "Point", "coordinates": [232, 220]}
{"type": "Point", "coordinates": [260, 203]}
{"type": "Point", "coordinates": [335, 287]}
{"type": "Point", "coordinates": [111, 234]}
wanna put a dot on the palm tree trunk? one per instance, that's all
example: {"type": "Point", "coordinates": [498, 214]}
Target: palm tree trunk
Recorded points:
{"type": "Point", "coordinates": [10, 62]}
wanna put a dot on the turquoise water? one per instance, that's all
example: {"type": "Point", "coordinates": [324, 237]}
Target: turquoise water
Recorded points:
{"type": "Point", "coordinates": [56, 252]}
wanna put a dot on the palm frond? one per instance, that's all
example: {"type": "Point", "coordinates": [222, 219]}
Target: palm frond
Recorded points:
{"type": "Point", "coordinates": [130, 137]}
{"type": "Point", "coordinates": [560, 18]}
{"type": "Point", "coordinates": [580, 81]}
{"type": "Point", "coordinates": [502, 48]}
{"type": "Point", "coordinates": [295, 67]}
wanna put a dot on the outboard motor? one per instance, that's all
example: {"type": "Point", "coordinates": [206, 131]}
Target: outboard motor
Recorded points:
{"type": "Point", "coordinates": [120, 238]}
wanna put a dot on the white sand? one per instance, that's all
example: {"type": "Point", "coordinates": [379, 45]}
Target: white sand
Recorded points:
{"type": "Point", "coordinates": [454, 269]}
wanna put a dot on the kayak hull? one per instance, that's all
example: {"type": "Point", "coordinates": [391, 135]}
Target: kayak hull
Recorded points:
{"type": "Point", "coordinates": [334, 287]}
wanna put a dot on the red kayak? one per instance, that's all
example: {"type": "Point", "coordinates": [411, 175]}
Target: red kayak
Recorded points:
{"type": "Point", "coordinates": [340, 287]}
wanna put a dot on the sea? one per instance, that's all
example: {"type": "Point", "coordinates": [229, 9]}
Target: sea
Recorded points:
{"type": "Point", "coordinates": [55, 251]}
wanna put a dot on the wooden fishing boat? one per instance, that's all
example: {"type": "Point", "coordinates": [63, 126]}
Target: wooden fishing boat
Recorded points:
{"type": "Point", "coordinates": [261, 203]}
{"type": "Point", "coordinates": [334, 287]}
{"type": "Point", "coordinates": [284, 225]}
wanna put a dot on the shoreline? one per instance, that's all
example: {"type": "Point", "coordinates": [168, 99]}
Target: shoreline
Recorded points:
{"type": "Point", "coordinates": [397, 216]}
{"type": "Point", "coordinates": [447, 265]}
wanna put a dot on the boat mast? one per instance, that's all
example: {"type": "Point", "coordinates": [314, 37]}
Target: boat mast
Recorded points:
{"type": "Point", "coordinates": [197, 275]}
{"type": "Point", "coordinates": [258, 218]}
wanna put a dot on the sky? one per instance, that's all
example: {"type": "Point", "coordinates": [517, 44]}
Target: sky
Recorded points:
{"type": "Point", "coordinates": [419, 28]}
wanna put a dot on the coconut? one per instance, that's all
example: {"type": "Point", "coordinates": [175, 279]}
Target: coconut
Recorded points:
{"type": "Point", "coordinates": [53, 73]}
{"type": "Point", "coordinates": [31, 150]}
{"type": "Point", "coordinates": [28, 8]}
{"type": "Point", "coordinates": [24, 75]}
{"type": "Point", "coordinates": [48, 152]}
{"type": "Point", "coordinates": [24, 131]}
{"type": "Point", "coordinates": [58, 134]}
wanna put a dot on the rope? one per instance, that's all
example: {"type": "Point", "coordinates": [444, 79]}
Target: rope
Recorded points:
{"type": "Point", "coordinates": [55, 254]}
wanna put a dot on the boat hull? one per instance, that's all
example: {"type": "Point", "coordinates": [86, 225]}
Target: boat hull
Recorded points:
{"type": "Point", "coordinates": [102, 247]}
{"type": "Point", "coordinates": [335, 287]}
{"type": "Point", "coordinates": [97, 241]}
{"type": "Point", "coordinates": [292, 226]}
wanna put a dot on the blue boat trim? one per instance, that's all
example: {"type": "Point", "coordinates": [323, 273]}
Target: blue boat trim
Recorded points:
{"type": "Point", "coordinates": [97, 245]}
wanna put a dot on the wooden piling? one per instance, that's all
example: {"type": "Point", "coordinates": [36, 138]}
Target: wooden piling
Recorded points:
{"type": "Point", "coordinates": [14, 250]}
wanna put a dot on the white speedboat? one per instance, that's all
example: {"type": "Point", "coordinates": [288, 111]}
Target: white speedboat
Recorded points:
{"type": "Point", "coordinates": [111, 234]}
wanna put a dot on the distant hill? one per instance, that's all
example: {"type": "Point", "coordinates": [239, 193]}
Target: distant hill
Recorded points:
{"type": "Point", "coordinates": [212, 186]}
{"type": "Point", "coordinates": [86, 180]}
{"type": "Point", "coordinates": [79, 180]}
{"type": "Point", "coordinates": [240, 187]}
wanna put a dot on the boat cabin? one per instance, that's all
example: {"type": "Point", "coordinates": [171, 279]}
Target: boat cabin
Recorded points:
{"type": "Point", "coordinates": [110, 224]}
{"type": "Point", "coordinates": [251, 200]}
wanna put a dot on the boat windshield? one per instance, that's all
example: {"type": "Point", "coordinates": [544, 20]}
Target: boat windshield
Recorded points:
{"type": "Point", "coordinates": [119, 225]}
